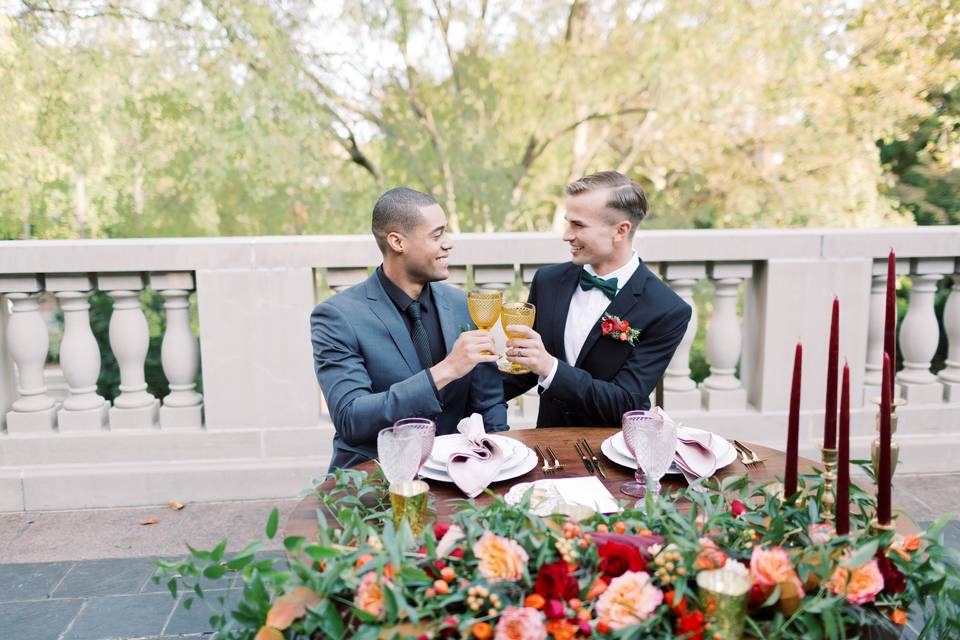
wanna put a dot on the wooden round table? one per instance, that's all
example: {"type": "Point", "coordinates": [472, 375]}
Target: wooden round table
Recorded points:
{"type": "Point", "coordinates": [303, 519]}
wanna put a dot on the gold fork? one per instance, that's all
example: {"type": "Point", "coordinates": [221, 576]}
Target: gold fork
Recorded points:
{"type": "Point", "coordinates": [556, 462]}
{"type": "Point", "coordinates": [747, 451]}
{"type": "Point", "coordinates": [546, 468]}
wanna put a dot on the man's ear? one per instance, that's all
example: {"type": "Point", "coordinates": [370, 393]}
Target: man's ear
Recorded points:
{"type": "Point", "coordinates": [624, 230]}
{"type": "Point", "coordinates": [396, 241]}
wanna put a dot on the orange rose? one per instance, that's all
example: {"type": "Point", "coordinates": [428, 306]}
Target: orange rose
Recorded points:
{"type": "Point", "coordinates": [772, 567]}
{"type": "Point", "coordinates": [482, 631]}
{"type": "Point", "coordinates": [501, 559]}
{"type": "Point", "coordinates": [369, 596]}
{"type": "Point", "coordinates": [899, 616]}
{"type": "Point", "coordinates": [561, 629]}
{"type": "Point", "coordinates": [911, 543]}
{"type": "Point", "coordinates": [861, 585]}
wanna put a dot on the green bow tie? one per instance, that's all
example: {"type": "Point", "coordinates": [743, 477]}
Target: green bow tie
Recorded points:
{"type": "Point", "coordinates": [589, 281]}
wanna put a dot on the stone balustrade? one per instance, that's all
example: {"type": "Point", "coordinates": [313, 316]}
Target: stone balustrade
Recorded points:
{"type": "Point", "coordinates": [259, 428]}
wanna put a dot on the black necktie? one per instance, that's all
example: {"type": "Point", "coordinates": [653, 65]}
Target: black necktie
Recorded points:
{"type": "Point", "coordinates": [419, 335]}
{"type": "Point", "coordinates": [589, 281]}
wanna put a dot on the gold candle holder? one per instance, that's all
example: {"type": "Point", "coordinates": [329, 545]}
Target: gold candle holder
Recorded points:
{"type": "Point", "coordinates": [878, 528]}
{"type": "Point", "coordinates": [724, 595]}
{"type": "Point", "coordinates": [829, 458]}
{"type": "Point", "coordinates": [408, 501]}
{"type": "Point", "coordinates": [894, 447]}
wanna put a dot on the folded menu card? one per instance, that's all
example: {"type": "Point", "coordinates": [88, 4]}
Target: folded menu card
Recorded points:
{"type": "Point", "coordinates": [587, 491]}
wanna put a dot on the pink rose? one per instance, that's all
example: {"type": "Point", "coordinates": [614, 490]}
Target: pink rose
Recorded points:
{"type": "Point", "coordinates": [520, 623]}
{"type": "Point", "coordinates": [629, 600]}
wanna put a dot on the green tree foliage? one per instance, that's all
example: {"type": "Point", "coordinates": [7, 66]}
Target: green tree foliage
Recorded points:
{"type": "Point", "coordinates": [127, 118]}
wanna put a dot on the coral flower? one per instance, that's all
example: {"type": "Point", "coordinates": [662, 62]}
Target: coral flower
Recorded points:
{"type": "Point", "coordinates": [861, 585]}
{"type": "Point", "coordinates": [769, 568]}
{"type": "Point", "coordinates": [501, 559]}
{"type": "Point", "coordinates": [518, 623]}
{"type": "Point", "coordinates": [630, 599]}
{"type": "Point", "coordinates": [369, 596]}
{"type": "Point", "coordinates": [899, 616]}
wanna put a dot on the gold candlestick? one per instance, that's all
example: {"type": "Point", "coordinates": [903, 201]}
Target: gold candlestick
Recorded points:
{"type": "Point", "coordinates": [829, 457]}
{"type": "Point", "coordinates": [894, 447]}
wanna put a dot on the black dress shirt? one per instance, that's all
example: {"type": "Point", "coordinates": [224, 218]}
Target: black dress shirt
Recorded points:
{"type": "Point", "coordinates": [428, 316]}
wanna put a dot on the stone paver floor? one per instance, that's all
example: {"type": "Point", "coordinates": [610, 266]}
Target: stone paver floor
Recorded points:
{"type": "Point", "coordinates": [85, 575]}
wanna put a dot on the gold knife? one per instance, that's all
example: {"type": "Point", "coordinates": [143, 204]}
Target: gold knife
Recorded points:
{"type": "Point", "coordinates": [596, 462]}
{"type": "Point", "coordinates": [583, 456]}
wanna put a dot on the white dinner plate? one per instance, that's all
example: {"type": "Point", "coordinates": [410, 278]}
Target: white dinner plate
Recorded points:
{"type": "Point", "coordinates": [517, 457]}
{"type": "Point", "coordinates": [528, 464]}
{"type": "Point", "coordinates": [444, 446]}
{"type": "Point", "coordinates": [726, 453]}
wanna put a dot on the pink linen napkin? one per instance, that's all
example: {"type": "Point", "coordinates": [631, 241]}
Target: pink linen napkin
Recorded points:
{"type": "Point", "coordinates": [473, 466]}
{"type": "Point", "coordinates": [694, 457]}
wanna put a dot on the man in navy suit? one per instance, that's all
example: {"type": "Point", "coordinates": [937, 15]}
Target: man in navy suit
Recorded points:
{"type": "Point", "coordinates": [391, 347]}
{"type": "Point", "coordinates": [586, 378]}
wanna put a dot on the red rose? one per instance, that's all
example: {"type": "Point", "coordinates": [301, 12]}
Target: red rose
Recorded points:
{"type": "Point", "coordinates": [440, 529]}
{"type": "Point", "coordinates": [624, 325]}
{"type": "Point", "coordinates": [555, 581]}
{"type": "Point", "coordinates": [617, 558]}
{"type": "Point", "coordinates": [757, 596]}
{"type": "Point", "coordinates": [893, 581]}
{"type": "Point", "coordinates": [691, 626]}
{"type": "Point", "coordinates": [737, 508]}
{"type": "Point", "coordinates": [607, 326]}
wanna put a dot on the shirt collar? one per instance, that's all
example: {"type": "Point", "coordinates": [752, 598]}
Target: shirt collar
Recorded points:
{"type": "Point", "coordinates": [622, 273]}
{"type": "Point", "coordinates": [399, 296]}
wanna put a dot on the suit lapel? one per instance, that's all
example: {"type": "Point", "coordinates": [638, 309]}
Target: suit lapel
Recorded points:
{"type": "Point", "coordinates": [620, 306]}
{"type": "Point", "coordinates": [446, 316]}
{"type": "Point", "coordinates": [383, 308]}
{"type": "Point", "coordinates": [566, 287]}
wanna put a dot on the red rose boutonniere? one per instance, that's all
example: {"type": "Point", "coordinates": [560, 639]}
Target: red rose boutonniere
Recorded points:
{"type": "Point", "coordinates": [618, 329]}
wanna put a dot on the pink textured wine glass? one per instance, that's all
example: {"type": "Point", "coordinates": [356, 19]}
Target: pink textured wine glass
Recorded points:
{"type": "Point", "coordinates": [425, 430]}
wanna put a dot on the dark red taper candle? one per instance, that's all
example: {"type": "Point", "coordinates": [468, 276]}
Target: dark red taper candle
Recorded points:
{"type": "Point", "coordinates": [793, 427]}
{"type": "Point", "coordinates": [890, 316]}
{"type": "Point", "coordinates": [833, 356]}
{"type": "Point", "coordinates": [883, 473]}
{"type": "Point", "coordinates": [843, 457]}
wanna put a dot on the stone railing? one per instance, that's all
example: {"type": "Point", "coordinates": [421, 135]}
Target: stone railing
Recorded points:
{"type": "Point", "coordinates": [259, 428]}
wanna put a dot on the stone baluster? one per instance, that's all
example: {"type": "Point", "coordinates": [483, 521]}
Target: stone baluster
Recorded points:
{"type": "Point", "coordinates": [493, 277]}
{"type": "Point", "coordinates": [340, 279]}
{"type": "Point", "coordinates": [950, 375]}
{"type": "Point", "coordinates": [873, 373]}
{"type": "Point", "coordinates": [83, 409]}
{"type": "Point", "coordinates": [179, 352]}
{"type": "Point", "coordinates": [680, 392]}
{"type": "Point", "coordinates": [920, 333]}
{"type": "Point", "coordinates": [34, 411]}
{"type": "Point", "coordinates": [135, 407]}
{"type": "Point", "coordinates": [722, 391]}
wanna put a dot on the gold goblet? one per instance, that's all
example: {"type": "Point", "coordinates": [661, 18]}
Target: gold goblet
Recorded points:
{"type": "Point", "coordinates": [484, 306]}
{"type": "Point", "coordinates": [522, 313]}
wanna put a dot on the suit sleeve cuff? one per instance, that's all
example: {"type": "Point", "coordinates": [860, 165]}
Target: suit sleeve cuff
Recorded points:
{"type": "Point", "coordinates": [433, 385]}
{"type": "Point", "coordinates": [545, 382]}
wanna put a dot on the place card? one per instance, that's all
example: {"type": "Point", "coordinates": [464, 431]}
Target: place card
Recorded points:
{"type": "Point", "coordinates": [587, 491]}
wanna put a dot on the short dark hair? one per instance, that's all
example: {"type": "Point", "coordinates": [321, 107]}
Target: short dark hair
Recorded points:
{"type": "Point", "coordinates": [398, 210]}
{"type": "Point", "coordinates": [625, 194]}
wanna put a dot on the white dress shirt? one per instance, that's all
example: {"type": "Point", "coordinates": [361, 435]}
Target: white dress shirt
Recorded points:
{"type": "Point", "coordinates": [585, 310]}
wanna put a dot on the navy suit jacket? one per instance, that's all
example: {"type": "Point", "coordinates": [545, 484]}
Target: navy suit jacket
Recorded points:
{"type": "Point", "coordinates": [609, 377]}
{"type": "Point", "coordinates": [371, 377]}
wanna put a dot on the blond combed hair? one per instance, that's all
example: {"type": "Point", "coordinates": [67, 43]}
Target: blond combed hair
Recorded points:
{"type": "Point", "coordinates": [625, 195]}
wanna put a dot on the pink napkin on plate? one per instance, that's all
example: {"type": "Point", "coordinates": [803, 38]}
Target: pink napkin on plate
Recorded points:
{"type": "Point", "coordinates": [694, 457]}
{"type": "Point", "coordinates": [473, 466]}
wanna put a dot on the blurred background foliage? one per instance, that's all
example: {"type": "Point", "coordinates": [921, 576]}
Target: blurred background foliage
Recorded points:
{"type": "Point", "coordinates": [131, 118]}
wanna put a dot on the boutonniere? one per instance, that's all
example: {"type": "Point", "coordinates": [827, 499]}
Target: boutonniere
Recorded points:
{"type": "Point", "coordinates": [619, 329]}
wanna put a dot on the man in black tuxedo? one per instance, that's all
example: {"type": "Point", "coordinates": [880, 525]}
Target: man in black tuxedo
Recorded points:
{"type": "Point", "coordinates": [588, 377]}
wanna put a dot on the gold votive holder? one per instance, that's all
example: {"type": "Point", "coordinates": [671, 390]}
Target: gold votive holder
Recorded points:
{"type": "Point", "coordinates": [408, 500]}
{"type": "Point", "coordinates": [829, 459]}
{"type": "Point", "coordinates": [723, 595]}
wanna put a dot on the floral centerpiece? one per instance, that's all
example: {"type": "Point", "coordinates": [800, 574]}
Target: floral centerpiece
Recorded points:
{"type": "Point", "coordinates": [499, 572]}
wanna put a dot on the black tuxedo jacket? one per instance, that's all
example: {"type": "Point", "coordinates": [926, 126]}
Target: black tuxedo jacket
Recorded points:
{"type": "Point", "coordinates": [610, 377]}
